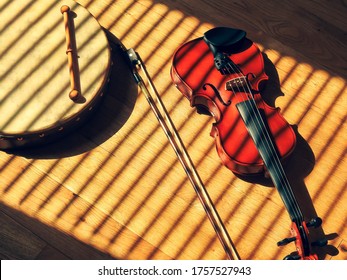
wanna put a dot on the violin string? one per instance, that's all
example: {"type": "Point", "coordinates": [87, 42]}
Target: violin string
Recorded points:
{"type": "Point", "coordinates": [270, 150]}
{"type": "Point", "coordinates": [266, 139]}
{"type": "Point", "coordinates": [269, 146]}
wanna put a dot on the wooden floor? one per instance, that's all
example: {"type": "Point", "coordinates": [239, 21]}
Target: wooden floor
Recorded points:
{"type": "Point", "coordinates": [115, 189]}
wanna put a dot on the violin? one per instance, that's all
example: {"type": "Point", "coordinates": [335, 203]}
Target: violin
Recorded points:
{"type": "Point", "coordinates": [222, 74]}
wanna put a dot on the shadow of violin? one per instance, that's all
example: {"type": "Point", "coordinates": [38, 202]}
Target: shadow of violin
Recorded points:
{"type": "Point", "coordinates": [298, 165]}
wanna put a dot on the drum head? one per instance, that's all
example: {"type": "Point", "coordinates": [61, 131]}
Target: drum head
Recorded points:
{"type": "Point", "coordinates": [34, 74]}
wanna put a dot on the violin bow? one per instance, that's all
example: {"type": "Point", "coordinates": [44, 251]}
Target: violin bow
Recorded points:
{"type": "Point", "coordinates": [167, 125]}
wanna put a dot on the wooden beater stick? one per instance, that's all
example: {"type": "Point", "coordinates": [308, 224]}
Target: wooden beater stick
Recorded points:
{"type": "Point", "coordinates": [182, 154]}
{"type": "Point", "coordinates": [71, 51]}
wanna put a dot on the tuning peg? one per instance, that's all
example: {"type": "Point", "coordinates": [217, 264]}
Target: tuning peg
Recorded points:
{"type": "Point", "coordinates": [285, 241]}
{"type": "Point", "coordinates": [314, 222]}
{"type": "Point", "coordinates": [292, 257]}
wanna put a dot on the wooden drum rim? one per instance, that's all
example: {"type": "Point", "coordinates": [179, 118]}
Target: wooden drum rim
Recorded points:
{"type": "Point", "coordinates": [35, 80]}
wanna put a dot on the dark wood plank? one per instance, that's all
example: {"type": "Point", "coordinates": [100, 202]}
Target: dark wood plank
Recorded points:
{"type": "Point", "coordinates": [16, 241]}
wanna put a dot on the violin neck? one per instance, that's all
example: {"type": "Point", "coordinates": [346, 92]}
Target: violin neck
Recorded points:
{"type": "Point", "coordinates": [258, 131]}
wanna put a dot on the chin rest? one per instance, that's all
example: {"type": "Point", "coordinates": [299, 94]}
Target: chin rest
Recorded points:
{"type": "Point", "coordinates": [224, 38]}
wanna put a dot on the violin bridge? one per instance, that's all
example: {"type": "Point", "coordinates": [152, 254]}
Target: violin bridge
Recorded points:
{"type": "Point", "coordinates": [236, 84]}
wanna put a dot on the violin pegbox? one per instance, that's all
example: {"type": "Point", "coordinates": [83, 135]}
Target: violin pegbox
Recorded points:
{"type": "Point", "coordinates": [300, 235]}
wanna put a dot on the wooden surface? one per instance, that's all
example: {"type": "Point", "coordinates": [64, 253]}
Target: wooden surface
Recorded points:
{"type": "Point", "coordinates": [115, 189]}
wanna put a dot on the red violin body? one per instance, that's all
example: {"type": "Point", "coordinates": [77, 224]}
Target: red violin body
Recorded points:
{"type": "Point", "coordinates": [194, 74]}
{"type": "Point", "coordinates": [222, 73]}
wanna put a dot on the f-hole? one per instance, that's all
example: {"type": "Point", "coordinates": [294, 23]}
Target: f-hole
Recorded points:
{"type": "Point", "coordinates": [217, 93]}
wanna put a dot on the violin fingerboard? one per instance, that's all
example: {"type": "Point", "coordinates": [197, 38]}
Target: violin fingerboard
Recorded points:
{"type": "Point", "coordinates": [257, 129]}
